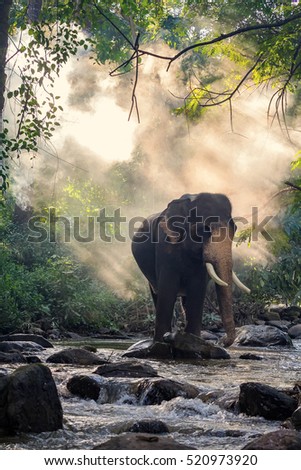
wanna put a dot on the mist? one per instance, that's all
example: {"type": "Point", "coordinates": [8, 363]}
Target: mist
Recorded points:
{"type": "Point", "coordinates": [246, 158]}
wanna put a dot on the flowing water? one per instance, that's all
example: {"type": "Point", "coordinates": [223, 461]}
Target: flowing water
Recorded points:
{"type": "Point", "coordinates": [203, 422]}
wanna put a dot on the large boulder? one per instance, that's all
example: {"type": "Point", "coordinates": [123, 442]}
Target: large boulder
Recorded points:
{"type": "Point", "coordinates": [38, 339]}
{"type": "Point", "coordinates": [262, 336]}
{"type": "Point", "coordinates": [263, 400]}
{"type": "Point", "coordinates": [187, 344]}
{"type": "Point", "coordinates": [284, 439]}
{"type": "Point", "coordinates": [75, 356]}
{"type": "Point", "coordinates": [29, 401]}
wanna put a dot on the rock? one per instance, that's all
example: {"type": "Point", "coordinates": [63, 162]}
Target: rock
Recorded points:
{"type": "Point", "coordinates": [250, 357]}
{"type": "Point", "coordinates": [126, 369]}
{"type": "Point", "coordinates": [149, 427]}
{"type": "Point", "coordinates": [262, 336]}
{"type": "Point", "coordinates": [148, 348]}
{"type": "Point", "coordinates": [132, 441]}
{"type": "Point", "coordinates": [104, 390]}
{"type": "Point", "coordinates": [75, 356]}
{"type": "Point", "coordinates": [296, 419]}
{"type": "Point", "coordinates": [282, 325]}
{"type": "Point", "coordinates": [291, 313]}
{"type": "Point", "coordinates": [29, 401]}
{"type": "Point", "coordinates": [21, 346]}
{"type": "Point", "coordinates": [12, 358]}
{"type": "Point", "coordinates": [271, 316]}
{"type": "Point", "coordinates": [33, 360]}
{"type": "Point", "coordinates": [190, 344]}
{"type": "Point", "coordinates": [209, 336]}
{"type": "Point", "coordinates": [154, 391]}
{"type": "Point", "coordinates": [26, 337]}
{"type": "Point", "coordinates": [295, 331]}
{"type": "Point", "coordinates": [148, 391]}
{"type": "Point", "coordinates": [284, 439]}
{"type": "Point", "coordinates": [84, 387]}
{"type": "Point", "coordinates": [263, 400]}
{"type": "Point", "coordinates": [177, 345]}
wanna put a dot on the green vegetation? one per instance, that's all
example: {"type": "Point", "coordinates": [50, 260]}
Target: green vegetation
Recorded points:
{"type": "Point", "coordinates": [43, 285]}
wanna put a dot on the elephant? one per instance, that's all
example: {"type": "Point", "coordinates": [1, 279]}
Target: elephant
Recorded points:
{"type": "Point", "coordinates": [177, 249]}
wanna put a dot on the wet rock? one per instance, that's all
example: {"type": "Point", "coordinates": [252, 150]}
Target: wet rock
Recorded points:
{"type": "Point", "coordinates": [148, 348]}
{"type": "Point", "coordinates": [75, 356]}
{"type": "Point", "coordinates": [104, 390]}
{"type": "Point", "coordinates": [38, 339]}
{"type": "Point", "coordinates": [263, 400]}
{"type": "Point", "coordinates": [29, 401]}
{"type": "Point", "coordinates": [295, 331]}
{"type": "Point", "coordinates": [12, 358]}
{"type": "Point", "coordinates": [21, 346]}
{"type": "Point", "coordinates": [250, 357]}
{"type": "Point", "coordinates": [33, 360]}
{"type": "Point", "coordinates": [154, 391]}
{"type": "Point", "coordinates": [132, 441]}
{"type": "Point", "coordinates": [262, 336]}
{"type": "Point", "coordinates": [149, 427]}
{"type": "Point", "coordinates": [194, 345]}
{"type": "Point", "coordinates": [126, 369]}
{"type": "Point", "coordinates": [84, 386]}
{"type": "Point", "coordinates": [283, 439]}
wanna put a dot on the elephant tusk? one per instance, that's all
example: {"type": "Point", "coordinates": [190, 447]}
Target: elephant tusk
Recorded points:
{"type": "Point", "coordinates": [214, 276]}
{"type": "Point", "coordinates": [239, 284]}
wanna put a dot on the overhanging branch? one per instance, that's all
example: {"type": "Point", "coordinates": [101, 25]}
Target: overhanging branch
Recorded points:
{"type": "Point", "coordinates": [137, 53]}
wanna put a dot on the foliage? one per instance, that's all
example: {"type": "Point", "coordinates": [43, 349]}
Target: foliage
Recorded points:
{"type": "Point", "coordinates": [44, 284]}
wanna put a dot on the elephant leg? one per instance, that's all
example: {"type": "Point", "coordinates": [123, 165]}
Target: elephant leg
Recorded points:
{"type": "Point", "coordinates": [166, 298]}
{"type": "Point", "coordinates": [194, 303]}
{"type": "Point", "coordinates": [154, 295]}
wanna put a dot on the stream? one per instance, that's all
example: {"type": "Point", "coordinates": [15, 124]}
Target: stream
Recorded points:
{"type": "Point", "coordinates": [200, 423]}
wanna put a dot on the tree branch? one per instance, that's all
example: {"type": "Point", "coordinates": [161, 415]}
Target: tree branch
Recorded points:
{"type": "Point", "coordinates": [238, 31]}
{"type": "Point", "coordinates": [211, 100]}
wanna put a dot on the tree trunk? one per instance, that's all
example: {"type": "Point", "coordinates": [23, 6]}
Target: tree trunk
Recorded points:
{"type": "Point", "coordinates": [5, 6]}
{"type": "Point", "coordinates": [34, 9]}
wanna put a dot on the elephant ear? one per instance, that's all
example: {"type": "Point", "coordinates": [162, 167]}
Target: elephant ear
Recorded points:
{"type": "Point", "coordinates": [174, 217]}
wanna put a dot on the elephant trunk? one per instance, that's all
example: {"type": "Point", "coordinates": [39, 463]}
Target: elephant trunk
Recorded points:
{"type": "Point", "coordinates": [219, 254]}
{"type": "Point", "coordinates": [224, 296]}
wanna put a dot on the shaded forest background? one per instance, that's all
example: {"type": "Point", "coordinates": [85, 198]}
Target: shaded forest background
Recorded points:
{"type": "Point", "coordinates": [91, 119]}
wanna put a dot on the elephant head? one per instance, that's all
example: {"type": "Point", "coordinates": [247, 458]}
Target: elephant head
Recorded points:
{"type": "Point", "coordinates": [203, 226]}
